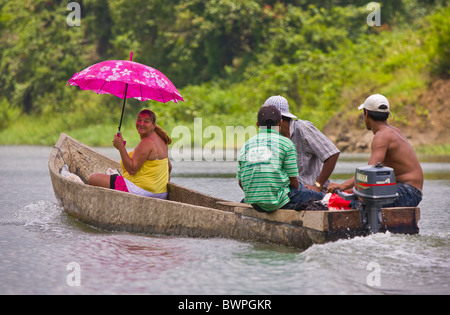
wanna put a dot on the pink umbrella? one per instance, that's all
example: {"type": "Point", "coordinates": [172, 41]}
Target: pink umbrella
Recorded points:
{"type": "Point", "coordinates": [127, 79]}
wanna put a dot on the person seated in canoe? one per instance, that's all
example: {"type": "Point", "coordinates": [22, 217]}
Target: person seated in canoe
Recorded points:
{"type": "Point", "coordinates": [391, 148]}
{"type": "Point", "coordinates": [267, 170]}
{"type": "Point", "coordinates": [316, 153]}
{"type": "Point", "coordinates": [146, 170]}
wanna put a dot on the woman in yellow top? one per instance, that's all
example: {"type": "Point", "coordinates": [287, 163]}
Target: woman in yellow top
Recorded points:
{"type": "Point", "coordinates": [146, 169]}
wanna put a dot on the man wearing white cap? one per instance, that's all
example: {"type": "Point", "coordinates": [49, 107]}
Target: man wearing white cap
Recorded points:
{"type": "Point", "coordinates": [391, 148]}
{"type": "Point", "coordinates": [316, 154]}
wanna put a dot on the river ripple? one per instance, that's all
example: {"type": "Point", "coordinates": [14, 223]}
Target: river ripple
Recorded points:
{"type": "Point", "coordinates": [38, 241]}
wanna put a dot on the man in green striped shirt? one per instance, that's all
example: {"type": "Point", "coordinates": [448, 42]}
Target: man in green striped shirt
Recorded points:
{"type": "Point", "coordinates": [267, 170]}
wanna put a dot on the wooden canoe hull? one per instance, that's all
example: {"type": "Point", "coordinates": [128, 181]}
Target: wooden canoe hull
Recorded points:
{"type": "Point", "coordinates": [193, 214]}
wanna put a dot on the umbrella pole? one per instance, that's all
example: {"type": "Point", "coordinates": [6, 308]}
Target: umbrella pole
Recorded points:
{"type": "Point", "coordinates": [125, 97]}
{"type": "Point", "coordinates": [123, 106]}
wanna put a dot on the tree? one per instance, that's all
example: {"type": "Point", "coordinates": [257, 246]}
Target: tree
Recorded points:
{"type": "Point", "coordinates": [39, 51]}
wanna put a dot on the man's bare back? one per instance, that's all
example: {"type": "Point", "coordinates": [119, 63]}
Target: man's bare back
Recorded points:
{"type": "Point", "coordinates": [389, 146]}
{"type": "Point", "coordinates": [392, 149]}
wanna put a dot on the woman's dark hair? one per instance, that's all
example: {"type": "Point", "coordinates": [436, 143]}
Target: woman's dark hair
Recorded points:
{"type": "Point", "coordinates": [159, 131]}
{"type": "Point", "coordinates": [378, 116]}
{"type": "Point", "coordinates": [150, 113]}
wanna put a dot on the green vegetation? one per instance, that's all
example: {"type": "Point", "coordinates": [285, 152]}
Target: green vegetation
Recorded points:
{"type": "Point", "coordinates": [434, 150]}
{"type": "Point", "coordinates": [225, 56]}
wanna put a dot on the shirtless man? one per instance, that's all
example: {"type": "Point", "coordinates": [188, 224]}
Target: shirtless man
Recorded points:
{"type": "Point", "coordinates": [392, 149]}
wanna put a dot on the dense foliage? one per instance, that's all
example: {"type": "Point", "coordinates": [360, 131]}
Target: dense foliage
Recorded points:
{"type": "Point", "coordinates": [225, 56]}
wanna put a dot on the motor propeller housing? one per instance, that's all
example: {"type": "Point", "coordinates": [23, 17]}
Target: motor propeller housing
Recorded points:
{"type": "Point", "coordinates": [375, 186]}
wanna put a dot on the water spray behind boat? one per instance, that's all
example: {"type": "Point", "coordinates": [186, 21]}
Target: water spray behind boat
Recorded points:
{"type": "Point", "coordinates": [375, 186]}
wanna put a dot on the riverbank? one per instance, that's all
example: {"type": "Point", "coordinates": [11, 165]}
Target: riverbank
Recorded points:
{"type": "Point", "coordinates": [349, 137]}
{"type": "Point", "coordinates": [423, 119]}
{"type": "Point", "coordinates": [324, 77]}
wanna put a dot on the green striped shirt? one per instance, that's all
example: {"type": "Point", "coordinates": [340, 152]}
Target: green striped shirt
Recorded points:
{"type": "Point", "coordinates": [266, 162]}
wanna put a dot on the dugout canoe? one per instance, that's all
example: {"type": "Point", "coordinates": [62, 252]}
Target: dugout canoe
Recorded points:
{"type": "Point", "coordinates": [189, 213]}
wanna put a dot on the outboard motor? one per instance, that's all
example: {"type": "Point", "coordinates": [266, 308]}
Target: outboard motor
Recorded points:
{"type": "Point", "coordinates": [374, 186]}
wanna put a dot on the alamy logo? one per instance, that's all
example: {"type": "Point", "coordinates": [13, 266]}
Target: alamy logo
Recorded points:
{"type": "Point", "coordinates": [374, 278]}
{"type": "Point", "coordinates": [374, 17]}
{"type": "Point", "coordinates": [73, 279]}
{"type": "Point", "coordinates": [74, 18]}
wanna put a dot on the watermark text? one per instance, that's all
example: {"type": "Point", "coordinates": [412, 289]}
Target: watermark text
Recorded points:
{"type": "Point", "coordinates": [374, 17]}
{"type": "Point", "coordinates": [73, 279]}
{"type": "Point", "coordinates": [190, 146]}
{"type": "Point", "coordinates": [374, 277]}
{"type": "Point", "coordinates": [74, 17]}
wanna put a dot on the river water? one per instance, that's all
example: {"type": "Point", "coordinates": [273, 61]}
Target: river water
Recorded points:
{"type": "Point", "coordinates": [45, 251]}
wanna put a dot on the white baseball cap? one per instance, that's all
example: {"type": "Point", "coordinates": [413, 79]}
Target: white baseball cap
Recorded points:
{"type": "Point", "coordinates": [373, 103]}
{"type": "Point", "coordinates": [281, 103]}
